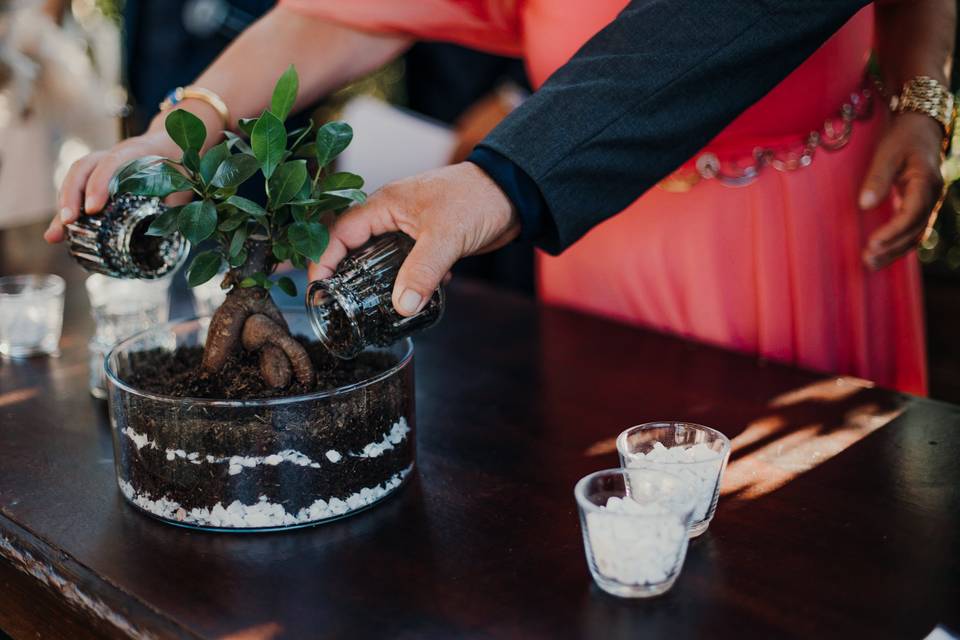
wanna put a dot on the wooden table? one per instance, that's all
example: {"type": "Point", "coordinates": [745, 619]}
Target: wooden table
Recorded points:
{"type": "Point", "coordinates": [840, 515]}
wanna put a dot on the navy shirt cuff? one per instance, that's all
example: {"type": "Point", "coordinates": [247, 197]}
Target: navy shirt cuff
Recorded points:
{"type": "Point", "coordinates": [518, 186]}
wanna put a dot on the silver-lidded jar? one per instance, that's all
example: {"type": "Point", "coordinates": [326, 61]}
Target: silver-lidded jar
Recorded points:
{"type": "Point", "coordinates": [353, 309]}
{"type": "Point", "coordinates": [115, 241]}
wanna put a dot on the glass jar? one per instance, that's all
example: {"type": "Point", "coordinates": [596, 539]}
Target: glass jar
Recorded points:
{"type": "Point", "coordinates": [258, 464]}
{"type": "Point", "coordinates": [31, 315]}
{"type": "Point", "coordinates": [115, 242]}
{"type": "Point", "coordinates": [353, 309]}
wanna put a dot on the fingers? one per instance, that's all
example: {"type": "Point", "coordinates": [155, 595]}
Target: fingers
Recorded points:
{"type": "Point", "coordinates": [427, 264]}
{"type": "Point", "coordinates": [352, 230]}
{"type": "Point", "coordinates": [883, 168]}
{"type": "Point", "coordinates": [921, 195]}
{"type": "Point", "coordinates": [97, 188]}
{"type": "Point", "coordinates": [71, 195]}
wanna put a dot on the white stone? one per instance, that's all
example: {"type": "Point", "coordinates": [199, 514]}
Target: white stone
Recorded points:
{"type": "Point", "coordinates": [333, 456]}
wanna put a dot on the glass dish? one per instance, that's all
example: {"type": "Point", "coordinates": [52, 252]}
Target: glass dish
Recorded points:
{"type": "Point", "coordinates": [259, 465]}
{"type": "Point", "coordinates": [694, 452]}
{"type": "Point", "coordinates": [31, 315]}
{"type": "Point", "coordinates": [634, 525]}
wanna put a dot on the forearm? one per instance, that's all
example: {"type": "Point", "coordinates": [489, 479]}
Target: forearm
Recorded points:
{"type": "Point", "coordinates": [327, 56]}
{"type": "Point", "coordinates": [915, 38]}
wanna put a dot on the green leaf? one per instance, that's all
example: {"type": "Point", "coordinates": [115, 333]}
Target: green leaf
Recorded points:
{"type": "Point", "coordinates": [269, 142]}
{"type": "Point", "coordinates": [234, 171]}
{"type": "Point", "coordinates": [232, 220]}
{"type": "Point", "coordinates": [239, 259]}
{"type": "Point", "coordinates": [248, 206]}
{"type": "Point", "coordinates": [165, 223]}
{"type": "Point", "coordinates": [308, 150]}
{"type": "Point", "coordinates": [309, 239]}
{"type": "Point", "coordinates": [354, 195]}
{"type": "Point", "coordinates": [286, 182]}
{"type": "Point", "coordinates": [332, 139]}
{"type": "Point", "coordinates": [282, 251]}
{"type": "Point", "coordinates": [233, 141]}
{"type": "Point", "coordinates": [247, 124]}
{"type": "Point", "coordinates": [285, 93]}
{"type": "Point", "coordinates": [157, 180]}
{"type": "Point", "coordinates": [191, 159]}
{"type": "Point", "coordinates": [130, 168]}
{"type": "Point", "coordinates": [186, 129]}
{"type": "Point", "coordinates": [198, 220]}
{"type": "Point", "coordinates": [204, 266]}
{"type": "Point", "coordinates": [287, 286]}
{"type": "Point", "coordinates": [340, 180]}
{"type": "Point", "coordinates": [298, 261]}
{"type": "Point", "coordinates": [257, 279]}
{"type": "Point", "coordinates": [212, 159]}
{"type": "Point", "coordinates": [300, 133]}
{"type": "Point", "coordinates": [236, 243]}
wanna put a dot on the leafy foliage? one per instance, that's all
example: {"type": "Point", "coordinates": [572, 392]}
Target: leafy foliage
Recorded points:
{"type": "Point", "coordinates": [301, 191]}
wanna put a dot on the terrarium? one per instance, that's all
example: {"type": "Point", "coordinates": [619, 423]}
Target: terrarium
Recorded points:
{"type": "Point", "coordinates": [265, 463]}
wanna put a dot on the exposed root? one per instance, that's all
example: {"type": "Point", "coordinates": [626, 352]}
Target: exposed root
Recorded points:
{"type": "Point", "coordinates": [274, 366]}
{"type": "Point", "coordinates": [260, 331]}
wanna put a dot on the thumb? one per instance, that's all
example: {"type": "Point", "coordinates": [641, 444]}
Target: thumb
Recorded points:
{"type": "Point", "coordinates": [879, 178]}
{"type": "Point", "coordinates": [421, 273]}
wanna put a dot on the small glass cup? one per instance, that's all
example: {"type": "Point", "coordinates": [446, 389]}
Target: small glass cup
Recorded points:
{"type": "Point", "coordinates": [634, 525]}
{"type": "Point", "coordinates": [31, 315]}
{"type": "Point", "coordinates": [694, 452]}
{"type": "Point", "coordinates": [121, 308]}
{"type": "Point", "coordinates": [353, 309]}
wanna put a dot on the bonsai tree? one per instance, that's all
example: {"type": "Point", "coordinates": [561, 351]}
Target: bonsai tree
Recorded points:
{"type": "Point", "coordinates": [246, 239]}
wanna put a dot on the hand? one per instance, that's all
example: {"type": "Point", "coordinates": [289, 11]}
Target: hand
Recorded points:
{"type": "Point", "coordinates": [88, 179]}
{"type": "Point", "coordinates": [452, 212]}
{"type": "Point", "coordinates": [908, 156]}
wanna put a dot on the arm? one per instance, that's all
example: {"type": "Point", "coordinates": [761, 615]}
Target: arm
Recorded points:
{"type": "Point", "coordinates": [634, 103]}
{"type": "Point", "coordinates": [915, 38]}
{"type": "Point", "coordinates": [326, 55]}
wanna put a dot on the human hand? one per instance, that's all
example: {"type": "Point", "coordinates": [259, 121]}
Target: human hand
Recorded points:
{"type": "Point", "coordinates": [451, 212]}
{"type": "Point", "coordinates": [908, 156]}
{"type": "Point", "coordinates": [88, 180]}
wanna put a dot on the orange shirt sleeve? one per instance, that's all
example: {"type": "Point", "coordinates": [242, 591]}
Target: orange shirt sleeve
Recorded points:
{"type": "Point", "coordinates": [488, 25]}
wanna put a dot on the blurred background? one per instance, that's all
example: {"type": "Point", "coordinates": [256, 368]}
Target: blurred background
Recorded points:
{"type": "Point", "coordinates": [77, 75]}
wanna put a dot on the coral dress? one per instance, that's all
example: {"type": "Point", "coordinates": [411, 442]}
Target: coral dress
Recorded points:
{"type": "Point", "coordinates": [772, 268]}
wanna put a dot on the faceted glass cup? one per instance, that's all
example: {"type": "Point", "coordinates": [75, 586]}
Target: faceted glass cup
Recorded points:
{"type": "Point", "coordinates": [694, 452]}
{"type": "Point", "coordinates": [120, 308]}
{"type": "Point", "coordinates": [31, 315]}
{"type": "Point", "coordinates": [634, 525]}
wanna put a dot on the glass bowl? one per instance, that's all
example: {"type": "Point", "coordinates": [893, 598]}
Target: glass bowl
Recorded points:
{"type": "Point", "coordinates": [256, 465]}
{"type": "Point", "coordinates": [634, 525]}
{"type": "Point", "coordinates": [692, 451]}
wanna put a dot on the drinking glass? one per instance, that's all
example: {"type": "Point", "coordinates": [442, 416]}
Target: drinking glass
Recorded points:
{"type": "Point", "coordinates": [692, 451]}
{"type": "Point", "coordinates": [31, 315]}
{"type": "Point", "coordinates": [121, 308]}
{"type": "Point", "coordinates": [634, 525]}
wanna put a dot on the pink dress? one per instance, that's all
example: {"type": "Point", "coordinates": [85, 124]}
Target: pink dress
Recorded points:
{"type": "Point", "coordinates": [772, 268]}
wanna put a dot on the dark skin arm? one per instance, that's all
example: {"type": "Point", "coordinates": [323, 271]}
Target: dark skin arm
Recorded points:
{"type": "Point", "coordinates": [915, 37]}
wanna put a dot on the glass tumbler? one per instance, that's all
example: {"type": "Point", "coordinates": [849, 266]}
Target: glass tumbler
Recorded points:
{"type": "Point", "coordinates": [31, 315]}
{"type": "Point", "coordinates": [694, 452]}
{"type": "Point", "coordinates": [353, 309]}
{"type": "Point", "coordinates": [121, 308]}
{"type": "Point", "coordinates": [634, 525]}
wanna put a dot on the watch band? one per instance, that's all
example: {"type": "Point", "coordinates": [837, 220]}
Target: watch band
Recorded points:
{"type": "Point", "coordinates": [924, 94]}
{"type": "Point", "coordinates": [180, 94]}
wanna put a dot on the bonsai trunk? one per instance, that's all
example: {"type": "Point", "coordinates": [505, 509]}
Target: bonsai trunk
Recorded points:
{"type": "Point", "coordinates": [250, 318]}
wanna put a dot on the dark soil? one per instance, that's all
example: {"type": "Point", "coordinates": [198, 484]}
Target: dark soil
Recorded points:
{"type": "Point", "coordinates": [179, 374]}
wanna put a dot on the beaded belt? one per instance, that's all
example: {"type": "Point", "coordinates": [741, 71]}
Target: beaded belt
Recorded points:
{"type": "Point", "coordinates": [833, 135]}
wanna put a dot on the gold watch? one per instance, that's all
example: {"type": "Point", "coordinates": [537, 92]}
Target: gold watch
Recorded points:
{"type": "Point", "coordinates": [925, 95]}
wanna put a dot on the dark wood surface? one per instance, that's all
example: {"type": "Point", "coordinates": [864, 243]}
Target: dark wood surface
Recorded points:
{"type": "Point", "coordinates": [840, 515]}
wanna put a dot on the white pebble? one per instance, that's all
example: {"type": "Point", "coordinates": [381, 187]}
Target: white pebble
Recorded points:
{"type": "Point", "coordinates": [699, 464]}
{"type": "Point", "coordinates": [333, 456]}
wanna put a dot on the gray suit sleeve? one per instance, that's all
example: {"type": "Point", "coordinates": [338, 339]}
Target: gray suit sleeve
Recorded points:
{"type": "Point", "coordinates": [649, 91]}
